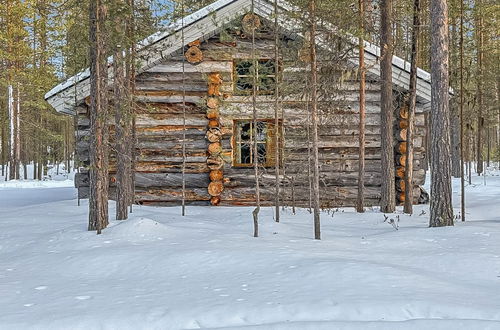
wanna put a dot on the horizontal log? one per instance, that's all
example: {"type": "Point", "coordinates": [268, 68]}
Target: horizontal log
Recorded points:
{"type": "Point", "coordinates": [168, 98]}
{"type": "Point", "coordinates": [168, 108]}
{"type": "Point", "coordinates": [170, 130]}
{"type": "Point", "coordinates": [203, 67]}
{"type": "Point", "coordinates": [170, 195]}
{"type": "Point", "coordinates": [168, 167]}
{"type": "Point", "coordinates": [187, 85]}
{"type": "Point", "coordinates": [171, 180]}
{"type": "Point", "coordinates": [150, 120]}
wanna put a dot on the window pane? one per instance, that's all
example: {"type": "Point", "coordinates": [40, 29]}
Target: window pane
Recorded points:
{"type": "Point", "coordinates": [261, 131]}
{"type": "Point", "coordinates": [267, 67]}
{"type": "Point", "coordinates": [243, 68]}
{"type": "Point", "coordinates": [246, 157]}
{"type": "Point", "coordinates": [245, 131]}
{"type": "Point", "coordinates": [261, 151]}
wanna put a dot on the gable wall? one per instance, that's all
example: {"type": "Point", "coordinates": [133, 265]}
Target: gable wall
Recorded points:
{"type": "Point", "coordinates": [160, 129]}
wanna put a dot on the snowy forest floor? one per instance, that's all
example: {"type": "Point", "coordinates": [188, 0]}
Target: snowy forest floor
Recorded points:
{"type": "Point", "coordinates": [159, 270]}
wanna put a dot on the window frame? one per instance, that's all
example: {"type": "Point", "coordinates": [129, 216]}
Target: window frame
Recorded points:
{"type": "Point", "coordinates": [271, 131]}
{"type": "Point", "coordinates": [259, 91]}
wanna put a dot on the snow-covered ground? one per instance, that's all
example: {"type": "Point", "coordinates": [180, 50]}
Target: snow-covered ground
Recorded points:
{"type": "Point", "coordinates": [159, 270]}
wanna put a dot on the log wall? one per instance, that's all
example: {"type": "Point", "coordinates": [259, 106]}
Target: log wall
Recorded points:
{"type": "Point", "coordinates": [159, 121]}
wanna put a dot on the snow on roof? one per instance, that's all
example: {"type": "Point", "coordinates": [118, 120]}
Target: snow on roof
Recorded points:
{"type": "Point", "coordinates": [262, 7]}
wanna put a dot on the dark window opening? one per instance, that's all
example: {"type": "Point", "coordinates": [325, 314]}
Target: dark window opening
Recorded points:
{"type": "Point", "coordinates": [265, 72]}
{"type": "Point", "coordinates": [243, 143]}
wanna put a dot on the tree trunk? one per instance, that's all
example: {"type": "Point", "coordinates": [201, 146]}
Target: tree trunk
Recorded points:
{"type": "Point", "coordinates": [360, 204]}
{"type": "Point", "coordinates": [480, 104]}
{"type": "Point", "coordinates": [388, 193]}
{"type": "Point", "coordinates": [256, 211]}
{"type": "Point", "coordinates": [98, 201]}
{"type": "Point", "coordinates": [122, 119]}
{"type": "Point", "coordinates": [314, 119]}
{"type": "Point", "coordinates": [276, 119]}
{"type": "Point", "coordinates": [441, 207]}
{"type": "Point", "coordinates": [412, 102]}
{"type": "Point", "coordinates": [462, 119]}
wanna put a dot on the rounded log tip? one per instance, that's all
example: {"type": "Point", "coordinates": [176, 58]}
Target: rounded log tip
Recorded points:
{"type": "Point", "coordinates": [194, 55]}
{"type": "Point", "coordinates": [196, 43]}
{"type": "Point", "coordinates": [403, 123]}
{"type": "Point", "coordinates": [214, 135]}
{"type": "Point", "coordinates": [215, 148]}
{"type": "Point", "coordinates": [214, 90]}
{"type": "Point", "coordinates": [216, 175]}
{"type": "Point", "coordinates": [212, 102]}
{"type": "Point", "coordinates": [212, 114]}
{"type": "Point", "coordinates": [214, 123]}
{"type": "Point", "coordinates": [400, 172]}
{"type": "Point", "coordinates": [400, 185]}
{"type": "Point", "coordinates": [215, 162]}
{"type": "Point", "coordinates": [403, 112]}
{"type": "Point", "coordinates": [402, 147]}
{"type": "Point", "coordinates": [215, 188]}
{"type": "Point", "coordinates": [250, 22]}
{"type": "Point", "coordinates": [215, 200]}
{"type": "Point", "coordinates": [215, 78]}
{"type": "Point", "coordinates": [401, 160]}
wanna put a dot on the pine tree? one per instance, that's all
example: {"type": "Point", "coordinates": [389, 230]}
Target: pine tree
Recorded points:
{"type": "Point", "coordinates": [441, 207]}
{"type": "Point", "coordinates": [98, 201]}
{"type": "Point", "coordinates": [388, 194]}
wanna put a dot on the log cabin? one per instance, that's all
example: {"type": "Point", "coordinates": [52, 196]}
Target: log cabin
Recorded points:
{"type": "Point", "coordinates": [196, 79]}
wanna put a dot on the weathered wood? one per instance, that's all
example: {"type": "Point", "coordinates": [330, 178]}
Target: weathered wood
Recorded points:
{"type": "Point", "coordinates": [213, 102]}
{"type": "Point", "coordinates": [401, 147]}
{"type": "Point", "coordinates": [215, 162]}
{"type": "Point", "coordinates": [213, 123]}
{"type": "Point", "coordinates": [168, 195]}
{"type": "Point", "coordinates": [215, 200]}
{"type": "Point", "coordinates": [250, 22]}
{"type": "Point", "coordinates": [403, 124]}
{"type": "Point", "coordinates": [214, 148]}
{"type": "Point", "coordinates": [401, 135]}
{"type": "Point", "coordinates": [213, 114]}
{"type": "Point", "coordinates": [215, 188]}
{"type": "Point", "coordinates": [214, 135]}
{"type": "Point", "coordinates": [203, 67]}
{"type": "Point", "coordinates": [216, 175]}
{"type": "Point", "coordinates": [192, 180]}
{"type": "Point", "coordinates": [194, 55]}
{"type": "Point", "coordinates": [401, 160]}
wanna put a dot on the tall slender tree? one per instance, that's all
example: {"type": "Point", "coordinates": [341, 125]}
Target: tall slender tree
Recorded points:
{"type": "Point", "coordinates": [479, 79]}
{"type": "Point", "coordinates": [462, 119]}
{"type": "Point", "coordinates": [254, 131]}
{"type": "Point", "coordinates": [98, 201]}
{"type": "Point", "coordinates": [388, 193]}
{"type": "Point", "coordinates": [122, 111]}
{"type": "Point", "coordinates": [441, 207]}
{"type": "Point", "coordinates": [276, 117]}
{"type": "Point", "coordinates": [360, 205]}
{"type": "Point", "coordinates": [412, 103]}
{"type": "Point", "coordinates": [314, 119]}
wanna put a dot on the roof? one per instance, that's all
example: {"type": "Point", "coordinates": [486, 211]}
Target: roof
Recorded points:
{"type": "Point", "coordinates": [205, 23]}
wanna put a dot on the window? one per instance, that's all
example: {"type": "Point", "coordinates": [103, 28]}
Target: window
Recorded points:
{"type": "Point", "coordinates": [243, 151]}
{"type": "Point", "coordinates": [266, 76]}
